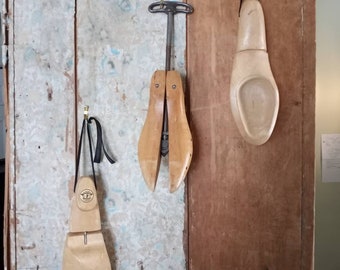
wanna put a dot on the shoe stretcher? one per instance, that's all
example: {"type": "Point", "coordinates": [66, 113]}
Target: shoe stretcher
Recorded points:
{"type": "Point", "coordinates": [166, 129]}
{"type": "Point", "coordinates": [166, 86]}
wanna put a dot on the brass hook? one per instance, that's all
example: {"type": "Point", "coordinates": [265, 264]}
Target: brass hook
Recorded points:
{"type": "Point", "coordinates": [86, 112]}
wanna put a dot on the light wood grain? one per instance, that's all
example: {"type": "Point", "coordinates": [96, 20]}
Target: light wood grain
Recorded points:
{"type": "Point", "coordinates": [169, 84]}
{"type": "Point", "coordinates": [89, 256]}
{"type": "Point", "coordinates": [85, 216]}
{"type": "Point", "coordinates": [251, 207]}
{"type": "Point", "coordinates": [84, 245]}
{"type": "Point", "coordinates": [180, 140]}
{"type": "Point", "coordinates": [150, 138]}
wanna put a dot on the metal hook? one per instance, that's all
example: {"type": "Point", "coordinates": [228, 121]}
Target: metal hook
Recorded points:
{"type": "Point", "coordinates": [239, 9]}
{"type": "Point", "coordinates": [86, 112]}
{"type": "Point", "coordinates": [85, 238]}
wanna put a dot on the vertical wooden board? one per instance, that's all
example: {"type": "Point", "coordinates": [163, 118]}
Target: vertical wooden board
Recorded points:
{"type": "Point", "coordinates": [309, 10]}
{"type": "Point", "coordinates": [211, 29]}
{"type": "Point", "coordinates": [41, 99]}
{"type": "Point", "coordinates": [246, 199]}
{"type": "Point", "coordinates": [119, 46]}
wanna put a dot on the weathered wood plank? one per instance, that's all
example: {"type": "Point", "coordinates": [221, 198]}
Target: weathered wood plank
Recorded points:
{"type": "Point", "coordinates": [41, 129]}
{"type": "Point", "coordinates": [120, 45]}
{"type": "Point", "coordinates": [245, 202]}
{"type": "Point", "coordinates": [116, 56]}
{"type": "Point", "coordinates": [309, 96]}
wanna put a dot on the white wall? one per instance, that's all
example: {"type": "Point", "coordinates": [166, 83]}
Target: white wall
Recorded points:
{"type": "Point", "coordinates": [327, 223]}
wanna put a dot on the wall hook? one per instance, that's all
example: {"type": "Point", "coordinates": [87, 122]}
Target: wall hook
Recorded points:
{"type": "Point", "coordinates": [86, 112]}
{"type": "Point", "coordinates": [239, 9]}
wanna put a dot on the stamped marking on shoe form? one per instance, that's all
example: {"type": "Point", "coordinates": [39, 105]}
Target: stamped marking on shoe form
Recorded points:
{"type": "Point", "coordinates": [86, 195]}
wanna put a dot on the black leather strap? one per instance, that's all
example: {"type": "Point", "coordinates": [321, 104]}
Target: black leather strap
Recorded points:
{"type": "Point", "coordinates": [100, 143]}
{"type": "Point", "coordinates": [99, 146]}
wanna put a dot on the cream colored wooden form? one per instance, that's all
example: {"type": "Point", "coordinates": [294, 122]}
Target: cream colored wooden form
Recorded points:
{"type": "Point", "coordinates": [254, 95]}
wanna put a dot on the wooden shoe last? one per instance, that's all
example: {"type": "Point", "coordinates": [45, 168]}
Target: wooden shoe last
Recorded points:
{"type": "Point", "coordinates": [254, 95]}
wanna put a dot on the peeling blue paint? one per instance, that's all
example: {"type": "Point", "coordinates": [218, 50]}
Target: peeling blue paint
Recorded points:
{"type": "Point", "coordinates": [69, 63]}
{"type": "Point", "coordinates": [125, 5]}
{"type": "Point", "coordinates": [115, 51]}
{"type": "Point", "coordinates": [29, 54]}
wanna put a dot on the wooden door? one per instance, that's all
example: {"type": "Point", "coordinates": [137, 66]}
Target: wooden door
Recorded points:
{"type": "Point", "coordinates": [251, 207]}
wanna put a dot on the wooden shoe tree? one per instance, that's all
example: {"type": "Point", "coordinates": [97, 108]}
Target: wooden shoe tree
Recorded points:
{"type": "Point", "coordinates": [169, 84]}
{"type": "Point", "coordinates": [254, 95]}
{"type": "Point", "coordinates": [180, 140]}
{"type": "Point", "coordinates": [85, 247]}
{"type": "Point", "coordinates": [150, 139]}
{"type": "Point", "coordinates": [166, 129]}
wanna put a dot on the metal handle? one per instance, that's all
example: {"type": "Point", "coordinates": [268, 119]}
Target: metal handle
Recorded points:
{"type": "Point", "coordinates": [170, 7]}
